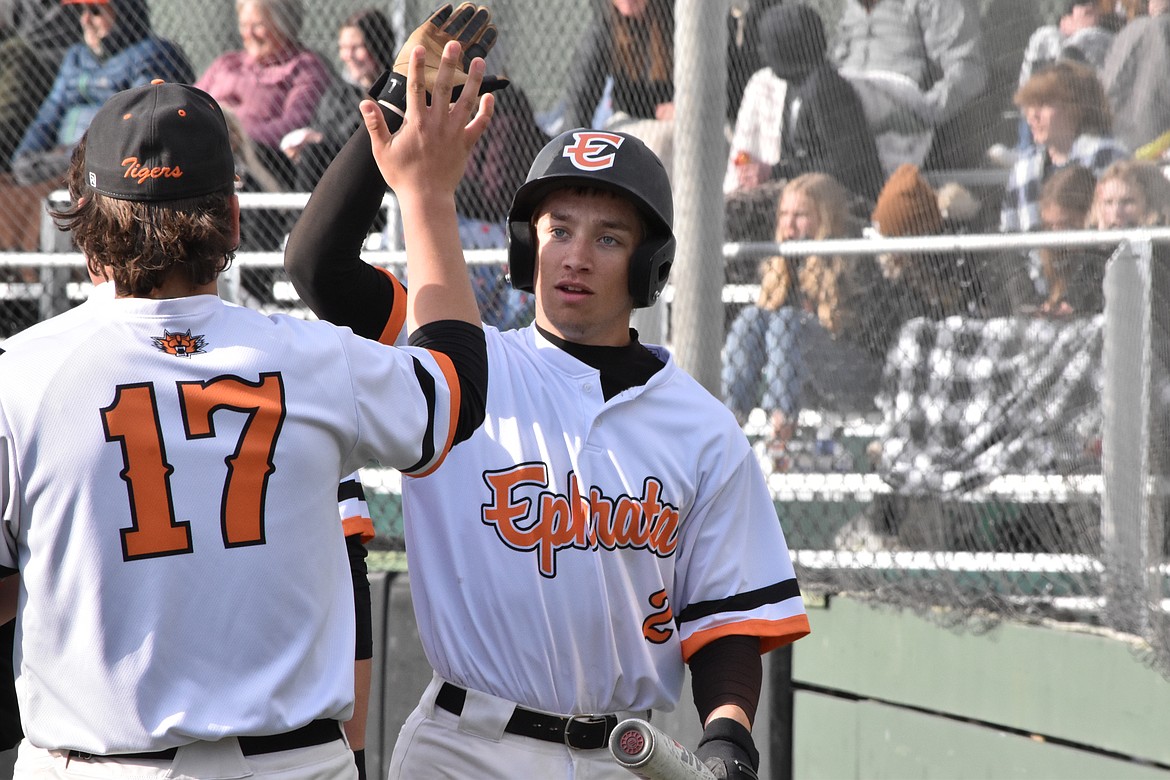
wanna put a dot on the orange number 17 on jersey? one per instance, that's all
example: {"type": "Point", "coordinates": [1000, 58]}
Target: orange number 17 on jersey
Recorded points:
{"type": "Point", "coordinates": [132, 420]}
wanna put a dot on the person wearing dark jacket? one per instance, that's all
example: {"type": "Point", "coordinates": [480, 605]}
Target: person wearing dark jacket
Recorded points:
{"type": "Point", "coordinates": [34, 35]}
{"type": "Point", "coordinates": [119, 50]}
{"type": "Point", "coordinates": [366, 45]}
{"type": "Point", "coordinates": [632, 42]}
{"type": "Point", "coordinates": [825, 130]}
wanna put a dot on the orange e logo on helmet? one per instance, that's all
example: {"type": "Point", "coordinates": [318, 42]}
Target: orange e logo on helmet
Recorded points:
{"type": "Point", "coordinates": [593, 150]}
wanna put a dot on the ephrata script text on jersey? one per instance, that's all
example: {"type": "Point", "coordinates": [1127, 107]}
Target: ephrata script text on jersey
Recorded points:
{"type": "Point", "coordinates": [555, 522]}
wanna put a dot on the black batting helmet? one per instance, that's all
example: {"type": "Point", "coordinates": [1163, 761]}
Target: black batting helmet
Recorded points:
{"type": "Point", "coordinates": [604, 160]}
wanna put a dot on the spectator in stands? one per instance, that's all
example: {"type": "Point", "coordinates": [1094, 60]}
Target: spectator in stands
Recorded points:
{"type": "Point", "coordinates": [274, 83]}
{"type": "Point", "coordinates": [119, 51]}
{"type": "Point", "coordinates": [1068, 115]}
{"type": "Point", "coordinates": [1135, 77]}
{"type": "Point", "coordinates": [916, 64]}
{"type": "Point", "coordinates": [34, 35]}
{"type": "Point", "coordinates": [366, 47]}
{"type": "Point", "coordinates": [920, 286]}
{"type": "Point", "coordinates": [1078, 35]}
{"type": "Point", "coordinates": [819, 328]}
{"type": "Point", "coordinates": [632, 43]}
{"type": "Point", "coordinates": [929, 284]}
{"type": "Point", "coordinates": [1071, 277]}
{"type": "Point", "coordinates": [799, 115]}
{"type": "Point", "coordinates": [1135, 194]}
{"type": "Point", "coordinates": [1131, 194]}
{"type": "Point", "coordinates": [743, 48]}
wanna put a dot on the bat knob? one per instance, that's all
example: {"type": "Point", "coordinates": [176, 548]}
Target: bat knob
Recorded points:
{"type": "Point", "coordinates": [632, 742]}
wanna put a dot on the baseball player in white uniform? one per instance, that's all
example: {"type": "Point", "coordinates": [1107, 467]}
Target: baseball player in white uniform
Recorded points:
{"type": "Point", "coordinates": [356, 523]}
{"type": "Point", "coordinates": [609, 522]}
{"type": "Point", "coordinates": [167, 460]}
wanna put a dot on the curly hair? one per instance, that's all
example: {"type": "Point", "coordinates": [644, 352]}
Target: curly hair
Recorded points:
{"type": "Point", "coordinates": [144, 244]}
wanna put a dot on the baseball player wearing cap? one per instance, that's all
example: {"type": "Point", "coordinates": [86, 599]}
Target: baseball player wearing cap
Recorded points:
{"type": "Point", "coordinates": [168, 525]}
{"type": "Point", "coordinates": [609, 521]}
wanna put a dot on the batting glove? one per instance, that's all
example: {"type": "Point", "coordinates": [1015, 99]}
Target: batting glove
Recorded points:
{"type": "Point", "coordinates": [728, 751]}
{"type": "Point", "coordinates": [470, 25]}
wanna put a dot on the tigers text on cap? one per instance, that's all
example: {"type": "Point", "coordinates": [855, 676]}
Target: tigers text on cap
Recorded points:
{"type": "Point", "coordinates": [159, 141]}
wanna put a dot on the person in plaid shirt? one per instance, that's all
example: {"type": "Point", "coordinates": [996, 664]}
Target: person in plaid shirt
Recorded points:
{"type": "Point", "coordinates": [1067, 112]}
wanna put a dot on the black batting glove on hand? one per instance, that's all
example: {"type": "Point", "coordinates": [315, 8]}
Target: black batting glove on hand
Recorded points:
{"type": "Point", "coordinates": [470, 25]}
{"type": "Point", "coordinates": [359, 758]}
{"type": "Point", "coordinates": [728, 751]}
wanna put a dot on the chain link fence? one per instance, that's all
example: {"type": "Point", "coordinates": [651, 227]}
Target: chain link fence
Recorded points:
{"type": "Point", "coordinates": [983, 425]}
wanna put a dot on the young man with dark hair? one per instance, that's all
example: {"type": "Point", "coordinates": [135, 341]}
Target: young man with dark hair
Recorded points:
{"type": "Point", "coordinates": [608, 525]}
{"type": "Point", "coordinates": [171, 462]}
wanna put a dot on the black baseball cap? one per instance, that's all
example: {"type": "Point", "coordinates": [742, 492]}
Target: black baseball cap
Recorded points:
{"type": "Point", "coordinates": [160, 141]}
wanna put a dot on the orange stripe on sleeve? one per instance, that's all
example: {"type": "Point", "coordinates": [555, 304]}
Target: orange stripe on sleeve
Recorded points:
{"type": "Point", "coordinates": [397, 316]}
{"type": "Point", "coordinates": [448, 369]}
{"type": "Point", "coordinates": [772, 633]}
{"type": "Point", "coordinates": [358, 524]}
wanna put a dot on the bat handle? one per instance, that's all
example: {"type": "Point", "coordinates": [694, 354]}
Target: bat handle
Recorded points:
{"type": "Point", "coordinates": [651, 754]}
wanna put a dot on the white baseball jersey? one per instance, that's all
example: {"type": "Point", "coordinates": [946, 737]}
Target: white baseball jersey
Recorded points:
{"type": "Point", "coordinates": [169, 486]}
{"type": "Point", "coordinates": [574, 551]}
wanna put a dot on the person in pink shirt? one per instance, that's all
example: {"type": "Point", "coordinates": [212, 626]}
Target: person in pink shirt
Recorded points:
{"type": "Point", "coordinates": [272, 84]}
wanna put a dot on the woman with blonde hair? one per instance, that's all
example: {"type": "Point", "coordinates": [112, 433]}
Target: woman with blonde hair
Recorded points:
{"type": "Point", "coordinates": [1131, 194]}
{"type": "Point", "coordinates": [816, 305]}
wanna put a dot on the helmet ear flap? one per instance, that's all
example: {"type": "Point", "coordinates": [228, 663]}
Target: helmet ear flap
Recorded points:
{"type": "Point", "coordinates": [521, 256]}
{"type": "Point", "coordinates": [649, 269]}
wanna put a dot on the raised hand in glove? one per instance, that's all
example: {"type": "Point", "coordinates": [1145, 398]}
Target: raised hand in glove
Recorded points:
{"type": "Point", "coordinates": [728, 751]}
{"type": "Point", "coordinates": [468, 24]}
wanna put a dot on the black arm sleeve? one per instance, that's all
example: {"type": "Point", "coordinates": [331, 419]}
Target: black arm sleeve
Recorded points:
{"type": "Point", "coordinates": [323, 256]}
{"type": "Point", "coordinates": [466, 345]}
{"type": "Point", "coordinates": [10, 731]}
{"type": "Point", "coordinates": [727, 671]}
{"type": "Point", "coordinates": [363, 612]}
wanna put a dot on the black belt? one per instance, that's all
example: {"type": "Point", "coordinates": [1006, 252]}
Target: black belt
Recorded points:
{"type": "Point", "coordinates": [583, 732]}
{"type": "Point", "coordinates": [316, 733]}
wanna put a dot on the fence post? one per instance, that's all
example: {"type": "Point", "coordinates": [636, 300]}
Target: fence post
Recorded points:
{"type": "Point", "coordinates": [1125, 445]}
{"type": "Point", "coordinates": [696, 317]}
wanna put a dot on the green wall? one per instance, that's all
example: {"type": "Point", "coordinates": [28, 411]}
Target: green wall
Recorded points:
{"type": "Point", "coordinates": [888, 694]}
